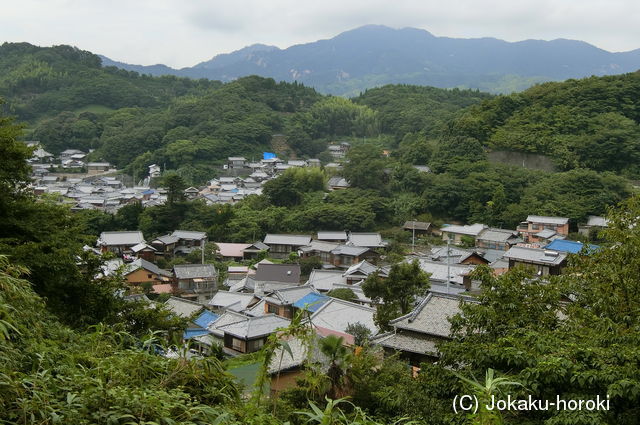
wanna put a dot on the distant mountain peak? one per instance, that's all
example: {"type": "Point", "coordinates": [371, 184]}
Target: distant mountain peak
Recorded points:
{"type": "Point", "coordinates": [374, 55]}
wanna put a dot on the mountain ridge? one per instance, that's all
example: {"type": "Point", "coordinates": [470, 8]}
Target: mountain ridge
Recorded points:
{"type": "Point", "coordinates": [373, 55]}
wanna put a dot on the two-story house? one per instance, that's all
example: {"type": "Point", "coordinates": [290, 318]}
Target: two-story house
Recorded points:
{"type": "Point", "coordinates": [189, 241]}
{"type": "Point", "coordinates": [196, 280]}
{"type": "Point", "coordinates": [541, 228]}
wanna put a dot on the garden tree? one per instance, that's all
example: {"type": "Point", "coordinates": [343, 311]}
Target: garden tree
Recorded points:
{"type": "Point", "coordinates": [308, 264]}
{"type": "Point", "coordinates": [163, 218]}
{"type": "Point", "coordinates": [406, 206]}
{"type": "Point", "coordinates": [283, 190]}
{"type": "Point", "coordinates": [175, 186]}
{"type": "Point", "coordinates": [394, 296]}
{"type": "Point", "coordinates": [343, 294]}
{"type": "Point", "coordinates": [364, 168]}
{"type": "Point", "coordinates": [361, 333]}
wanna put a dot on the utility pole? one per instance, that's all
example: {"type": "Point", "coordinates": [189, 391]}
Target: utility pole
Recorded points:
{"type": "Point", "coordinates": [413, 236]}
{"type": "Point", "coordinates": [448, 266]}
{"type": "Point", "coordinates": [202, 249]}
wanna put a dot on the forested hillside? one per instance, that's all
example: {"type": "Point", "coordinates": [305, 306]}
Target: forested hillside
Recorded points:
{"type": "Point", "coordinates": [41, 82]}
{"type": "Point", "coordinates": [590, 123]}
{"type": "Point", "coordinates": [69, 101]}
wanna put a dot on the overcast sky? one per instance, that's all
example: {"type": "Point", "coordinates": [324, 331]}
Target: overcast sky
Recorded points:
{"type": "Point", "coordinates": [182, 33]}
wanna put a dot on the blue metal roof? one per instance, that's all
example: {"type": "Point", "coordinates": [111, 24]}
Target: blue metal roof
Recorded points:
{"type": "Point", "coordinates": [192, 333]}
{"type": "Point", "coordinates": [571, 247]}
{"type": "Point", "coordinates": [268, 155]}
{"type": "Point", "coordinates": [311, 302]}
{"type": "Point", "coordinates": [205, 318]}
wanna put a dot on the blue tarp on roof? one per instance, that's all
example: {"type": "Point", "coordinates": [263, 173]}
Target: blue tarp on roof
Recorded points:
{"type": "Point", "coordinates": [148, 192]}
{"type": "Point", "coordinates": [268, 155]}
{"type": "Point", "coordinates": [205, 318]}
{"type": "Point", "coordinates": [571, 247]}
{"type": "Point", "coordinates": [192, 333]}
{"type": "Point", "coordinates": [306, 302]}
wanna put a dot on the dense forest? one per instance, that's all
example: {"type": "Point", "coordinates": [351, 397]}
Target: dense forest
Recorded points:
{"type": "Point", "coordinates": [589, 123]}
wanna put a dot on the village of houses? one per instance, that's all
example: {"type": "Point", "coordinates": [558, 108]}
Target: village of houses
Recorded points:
{"type": "Point", "coordinates": [96, 185]}
{"type": "Point", "coordinates": [257, 298]}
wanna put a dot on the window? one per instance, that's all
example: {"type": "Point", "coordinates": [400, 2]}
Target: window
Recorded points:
{"type": "Point", "coordinates": [272, 308]}
{"type": "Point", "coordinates": [149, 276]}
{"type": "Point", "coordinates": [237, 344]}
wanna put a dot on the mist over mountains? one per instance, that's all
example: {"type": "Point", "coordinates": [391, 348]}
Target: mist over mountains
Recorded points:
{"type": "Point", "coordinates": [375, 55]}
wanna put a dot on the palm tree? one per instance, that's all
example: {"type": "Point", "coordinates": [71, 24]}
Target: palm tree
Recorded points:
{"type": "Point", "coordinates": [338, 355]}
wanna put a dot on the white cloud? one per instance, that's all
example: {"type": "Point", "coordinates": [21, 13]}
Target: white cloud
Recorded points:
{"type": "Point", "coordinates": [182, 33]}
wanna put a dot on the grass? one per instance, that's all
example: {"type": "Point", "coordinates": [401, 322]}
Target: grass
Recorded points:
{"type": "Point", "coordinates": [244, 359]}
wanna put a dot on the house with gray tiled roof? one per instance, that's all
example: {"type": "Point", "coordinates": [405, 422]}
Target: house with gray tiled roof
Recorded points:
{"type": "Point", "coordinates": [196, 280]}
{"type": "Point", "coordinates": [493, 238]}
{"type": "Point", "coordinates": [188, 241]}
{"type": "Point", "coordinates": [286, 273]}
{"type": "Point", "coordinates": [456, 233]}
{"type": "Point", "coordinates": [337, 315]}
{"type": "Point", "coordinates": [362, 270]}
{"type": "Point", "coordinates": [281, 245]}
{"type": "Point", "coordinates": [447, 278]}
{"type": "Point", "coordinates": [232, 301]}
{"type": "Point", "coordinates": [248, 336]}
{"type": "Point", "coordinates": [545, 261]}
{"type": "Point", "coordinates": [416, 334]}
{"type": "Point", "coordinates": [325, 280]}
{"type": "Point", "coordinates": [119, 243]}
{"type": "Point", "coordinates": [183, 308]}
